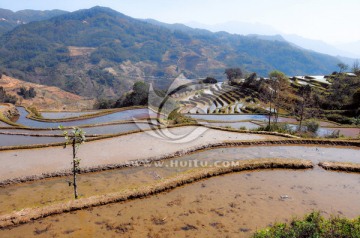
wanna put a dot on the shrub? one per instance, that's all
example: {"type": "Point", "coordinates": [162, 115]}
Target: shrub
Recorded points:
{"type": "Point", "coordinates": [334, 134]}
{"type": "Point", "coordinates": [277, 127]}
{"type": "Point", "coordinates": [256, 110]}
{"type": "Point", "coordinates": [313, 225]}
{"type": "Point", "coordinates": [312, 126]}
{"type": "Point", "coordinates": [339, 118]}
{"type": "Point", "coordinates": [210, 80]}
{"type": "Point", "coordinates": [6, 98]}
{"type": "Point", "coordinates": [177, 118]}
{"type": "Point", "coordinates": [35, 112]}
{"type": "Point", "coordinates": [27, 93]}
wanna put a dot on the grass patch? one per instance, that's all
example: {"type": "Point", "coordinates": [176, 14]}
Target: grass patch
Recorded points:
{"type": "Point", "coordinates": [176, 117]}
{"type": "Point", "coordinates": [313, 225]}
{"type": "Point", "coordinates": [277, 127]}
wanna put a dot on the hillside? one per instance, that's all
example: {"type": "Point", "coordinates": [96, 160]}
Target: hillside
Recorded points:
{"type": "Point", "coordinates": [47, 98]}
{"type": "Point", "coordinates": [9, 19]}
{"type": "Point", "coordinates": [99, 52]}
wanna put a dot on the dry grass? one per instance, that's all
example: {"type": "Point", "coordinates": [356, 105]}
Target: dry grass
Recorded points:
{"type": "Point", "coordinates": [47, 98]}
{"type": "Point", "coordinates": [80, 51]}
{"type": "Point", "coordinates": [29, 214]}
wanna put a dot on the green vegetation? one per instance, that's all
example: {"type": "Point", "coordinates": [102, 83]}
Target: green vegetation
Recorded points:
{"type": "Point", "coordinates": [138, 97]}
{"type": "Point", "coordinates": [312, 226]}
{"type": "Point", "coordinates": [34, 112]}
{"type": "Point", "coordinates": [13, 18]}
{"type": "Point", "coordinates": [210, 80]}
{"type": "Point", "coordinates": [312, 126]}
{"type": "Point", "coordinates": [277, 127]}
{"type": "Point", "coordinates": [338, 102]}
{"type": "Point", "coordinates": [6, 98]}
{"type": "Point", "coordinates": [75, 139]}
{"type": "Point", "coordinates": [177, 118]}
{"type": "Point", "coordinates": [27, 93]}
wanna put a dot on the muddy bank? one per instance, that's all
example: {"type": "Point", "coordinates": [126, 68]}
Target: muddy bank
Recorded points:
{"type": "Point", "coordinates": [27, 215]}
{"type": "Point", "coordinates": [340, 166]}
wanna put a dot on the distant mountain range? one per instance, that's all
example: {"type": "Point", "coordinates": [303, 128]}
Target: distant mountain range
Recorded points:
{"type": "Point", "coordinates": [99, 52]}
{"type": "Point", "coordinates": [350, 50]}
{"type": "Point", "coordinates": [9, 19]}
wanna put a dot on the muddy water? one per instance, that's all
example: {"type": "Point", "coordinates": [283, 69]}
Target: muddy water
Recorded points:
{"type": "Point", "coordinates": [117, 116]}
{"type": "Point", "coordinates": [12, 140]}
{"type": "Point", "coordinates": [348, 132]}
{"type": "Point", "coordinates": [56, 190]}
{"type": "Point", "coordinates": [45, 192]}
{"type": "Point", "coordinates": [233, 205]}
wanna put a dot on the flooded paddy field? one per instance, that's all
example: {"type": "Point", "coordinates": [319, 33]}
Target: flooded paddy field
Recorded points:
{"type": "Point", "coordinates": [54, 190]}
{"type": "Point", "coordinates": [235, 125]}
{"type": "Point", "coordinates": [234, 205]}
{"type": "Point", "coordinates": [3, 124]}
{"type": "Point", "coordinates": [93, 130]}
{"type": "Point", "coordinates": [132, 114]}
{"type": "Point", "coordinates": [62, 115]}
{"type": "Point", "coordinates": [232, 120]}
{"type": "Point", "coordinates": [12, 140]}
{"type": "Point", "coordinates": [119, 149]}
{"type": "Point", "coordinates": [347, 132]}
{"type": "Point", "coordinates": [237, 117]}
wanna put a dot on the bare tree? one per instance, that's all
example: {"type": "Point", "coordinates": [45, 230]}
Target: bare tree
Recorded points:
{"type": "Point", "coordinates": [268, 95]}
{"type": "Point", "coordinates": [279, 84]}
{"type": "Point", "coordinates": [356, 67]}
{"type": "Point", "coordinates": [233, 73]}
{"type": "Point", "coordinates": [303, 105]}
{"type": "Point", "coordinates": [76, 137]}
{"type": "Point", "coordinates": [342, 67]}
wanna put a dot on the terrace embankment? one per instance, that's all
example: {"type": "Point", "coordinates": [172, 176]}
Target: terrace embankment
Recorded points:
{"type": "Point", "coordinates": [7, 112]}
{"type": "Point", "coordinates": [340, 166]}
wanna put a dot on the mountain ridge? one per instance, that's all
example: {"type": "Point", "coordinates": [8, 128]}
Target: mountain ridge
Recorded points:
{"type": "Point", "coordinates": [267, 31]}
{"type": "Point", "coordinates": [115, 50]}
{"type": "Point", "coordinates": [10, 19]}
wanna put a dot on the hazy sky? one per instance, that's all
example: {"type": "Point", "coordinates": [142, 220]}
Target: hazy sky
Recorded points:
{"type": "Point", "coordinates": [328, 20]}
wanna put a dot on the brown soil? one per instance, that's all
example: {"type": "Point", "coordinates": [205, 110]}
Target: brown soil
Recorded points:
{"type": "Point", "coordinates": [47, 98]}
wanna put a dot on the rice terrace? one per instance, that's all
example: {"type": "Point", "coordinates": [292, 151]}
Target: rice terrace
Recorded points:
{"type": "Point", "coordinates": [119, 126]}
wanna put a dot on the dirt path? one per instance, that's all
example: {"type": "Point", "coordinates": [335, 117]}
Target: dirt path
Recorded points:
{"type": "Point", "coordinates": [22, 163]}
